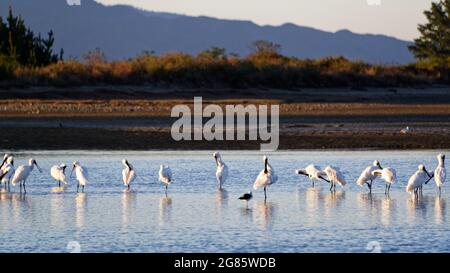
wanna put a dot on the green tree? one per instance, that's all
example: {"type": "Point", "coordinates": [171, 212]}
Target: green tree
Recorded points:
{"type": "Point", "coordinates": [20, 44]}
{"type": "Point", "coordinates": [433, 46]}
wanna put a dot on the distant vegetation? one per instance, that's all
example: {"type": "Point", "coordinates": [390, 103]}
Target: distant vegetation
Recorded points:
{"type": "Point", "coordinates": [26, 59]}
{"type": "Point", "coordinates": [432, 48]}
{"type": "Point", "coordinates": [19, 46]}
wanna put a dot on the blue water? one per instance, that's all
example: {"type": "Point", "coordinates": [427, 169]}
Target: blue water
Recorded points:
{"type": "Point", "coordinates": [196, 217]}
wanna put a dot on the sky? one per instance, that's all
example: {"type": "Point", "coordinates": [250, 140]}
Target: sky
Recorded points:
{"type": "Point", "coordinates": [397, 18]}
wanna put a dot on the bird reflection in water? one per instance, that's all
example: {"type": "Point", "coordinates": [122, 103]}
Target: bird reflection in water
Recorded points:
{"type": "Point", "coordinates": [332, 200]}
{"type": "Point", "coordinates": [221, 200]}
{"type": "Point", "coordinates": [388, 206]}
{"type": "Point", "coordinates": [80, 209]}
{"type": "Point", "coordinates": [415, 206]}
{"type": "Point", "coordinates": [128, 197]}
{"type": "Point", "coordinates": [439, 210]}
{"type": "Point", "coordinates": [265, 213]}
{"type": "Point", "coordinates": [19, 203]}
{"type": "Point", "coordinates": [59, 189]}
{"type": "Point", "coordinates": [56, 210]}
{"type": "Point", "coordinates": [165, 208]}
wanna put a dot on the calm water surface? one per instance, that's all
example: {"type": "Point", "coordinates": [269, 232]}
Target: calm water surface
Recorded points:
{"type": "Point", "coordinates": [196, 217]}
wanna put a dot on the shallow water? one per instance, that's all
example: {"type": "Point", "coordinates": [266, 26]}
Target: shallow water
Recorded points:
{"type": "Point", "coordinates": [196, 217]}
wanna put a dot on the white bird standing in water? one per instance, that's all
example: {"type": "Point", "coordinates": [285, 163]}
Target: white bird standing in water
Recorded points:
{"type": "Point", "coordinates": [222, 170]}
{"type": "Point", "coordinates": [335, 177]}
{"type": "Point", "coordinates": [266, 177]}
{"type": "Point", "coordinates": [440, 173]}
{"type": "Point", "coordinates": [313, 172]}
{"type": "Point", "coordinates": [59, 173]}
{"type": "Point", "coordinates": [389, 175]}
{"type": "Point", "coordinates": [128, 174]}
{"type": "Point", "coordinates": [22, 172]}
{"type": "Point", "coordinates": [7, 171]}
{"type": "Point", "coordinates": [165, 175]}
{"type": "Point", "coordinates": [5, 157]}
{"type": "Point", "coordinates": [367, 176]}
{"type": "Point", "coordinates": [81, 174]}
{"type": "Point", "coordinates": [417, 179]}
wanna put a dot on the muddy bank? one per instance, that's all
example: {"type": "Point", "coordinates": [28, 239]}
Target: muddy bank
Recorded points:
{"type": "Point", "coordinates": [14, 138]}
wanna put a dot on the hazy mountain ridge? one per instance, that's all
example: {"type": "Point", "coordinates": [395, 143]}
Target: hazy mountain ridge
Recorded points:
{"type": "Point", "coordinates": [123, 31]}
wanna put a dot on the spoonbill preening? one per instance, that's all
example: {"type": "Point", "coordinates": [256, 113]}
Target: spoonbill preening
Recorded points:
{"type": "Point", "coordinates": [313, 172]}
{"type": "Point", "coordinates": [389, 175]}
{"type": "Point", "coordinates": [59, 173]}
{"type": "Point", "coordinates": [266, 177]}
{"type": "Point", "coordinates": [128, 174]}
{"type": "Point", "coordinates": [335, 177]}
{"type": "Point", "coordinates": [165, 176]}
{"type": "Point", "coordinates": [367, 176]}
{"type": "Point", "coordinates": [221, 171]}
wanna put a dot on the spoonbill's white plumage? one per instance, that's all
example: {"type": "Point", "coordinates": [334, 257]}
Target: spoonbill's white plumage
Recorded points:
{"type": "Point", "coordinates": [313, 172]}
{"type": "Point", "coordinates": [165, 175]}
{"type": "Point", "coordinates": [7, 171]}
{"type": "Point", "coordinates": [128, 174]}
{"type": "Point", "coordinates": [22, 172]}
{"type": "Point", "coordinates": [59, 173]}
{"type": "Point", "coordinates": [418, 179]}
{"type": "Point", "coordinates": [246, 197]}
{"type": "Point", "coordinates": [266, 177]}
{"type": "Point", "coordinates": [440, 173]}
{"type": "Point", "coordinates": [389, 175]}
{"type": "Point", "coordinates": [5, 157]}
{"type": "Point", "coordinates": [221, 171]}
{"type": "Point", "coordinates": [367, 175]}
{"type": "Point", "coordinates": [335, 177]}
{"type": "Point", "coordinates": [81, 174]}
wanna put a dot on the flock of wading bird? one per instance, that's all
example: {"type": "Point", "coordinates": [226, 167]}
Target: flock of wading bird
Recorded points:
{"type": "Point", "coordinates": [9, 175]}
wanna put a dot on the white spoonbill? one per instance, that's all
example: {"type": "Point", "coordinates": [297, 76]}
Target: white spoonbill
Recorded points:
{"type": "Point", "coordinates": [335, 177]}
{"type": "Point", "coordinates": [440, 173]}
{"type": "Point", "coordinates": [81, 174]}
{"type": "Point", "coordinates": [367, 175]}
{"type": "Point", "coordinates": [165, 175]}
{"type": "Point", "coordinates": [265, 178]}
{"type": "Point", "coordinates": [5, 157]}
{"type": "Point", "coordinates": [222, 170]}
{"type": "Point", "coordinates": [22, 172]}
{"type": "Point", "coordinates": [417, 179]}
{"type": "Point", "coordinates": [389, 175]}
{"type": "Point", "coordinates": [313, 172]}
{"type": "Point", "coordinates": [7, 171]}
{"type": "Point", "coordinates": [128, 174]}
{"type": "Point", "coordinates": [59, 173]}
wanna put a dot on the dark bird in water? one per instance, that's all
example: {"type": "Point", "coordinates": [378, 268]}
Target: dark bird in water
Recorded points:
{"type": "Point", "coordinates": [247, 197]}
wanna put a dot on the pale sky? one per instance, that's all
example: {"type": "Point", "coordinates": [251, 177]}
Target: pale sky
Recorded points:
{"type": "Point", "coordinates": [398, 18]}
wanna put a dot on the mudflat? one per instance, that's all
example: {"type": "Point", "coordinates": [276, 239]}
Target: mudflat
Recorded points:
{"type": "Point", "coordinates": [138, 118]}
